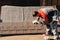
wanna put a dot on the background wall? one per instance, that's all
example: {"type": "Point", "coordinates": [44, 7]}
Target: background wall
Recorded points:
{"type": "Point", "coordinates": [18, 20]}
{"type": "Point", "coordinates": [18, 14]}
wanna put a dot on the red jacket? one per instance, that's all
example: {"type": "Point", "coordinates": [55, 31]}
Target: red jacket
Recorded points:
{"type": "Point", "coordinates": [43, 15]}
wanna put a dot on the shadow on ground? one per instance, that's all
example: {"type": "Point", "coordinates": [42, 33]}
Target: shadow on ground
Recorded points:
{"type": "Point", "coordinates": [21, 34]}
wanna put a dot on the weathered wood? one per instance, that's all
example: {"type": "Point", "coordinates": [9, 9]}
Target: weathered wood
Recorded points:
{"type": "Point", "coordinates": [22, 28]}
{"type": "Point", "coordinates": [18, 20]}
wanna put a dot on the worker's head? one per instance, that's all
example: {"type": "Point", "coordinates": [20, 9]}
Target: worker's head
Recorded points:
{"type": "Point", "coordinates": [54, 6]}
{"type": "Point", "coordinates": [35, 13]}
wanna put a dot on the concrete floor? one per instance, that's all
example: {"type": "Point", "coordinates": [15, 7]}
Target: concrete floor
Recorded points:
{"type": "Point", "coordinates": [24, 37]}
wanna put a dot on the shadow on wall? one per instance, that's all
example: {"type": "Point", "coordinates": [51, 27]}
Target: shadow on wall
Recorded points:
{"type": "Point", "coordinates": [0, 20]}
{"type": "Point", "coordinates": [58, 7]}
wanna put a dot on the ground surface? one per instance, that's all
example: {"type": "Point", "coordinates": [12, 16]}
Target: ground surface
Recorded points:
{"type": "Point", "coordinates": [23, 37]}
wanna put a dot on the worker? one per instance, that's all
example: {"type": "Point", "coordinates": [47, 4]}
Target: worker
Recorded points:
{"type": "Point", "coordinates": [49, 16]}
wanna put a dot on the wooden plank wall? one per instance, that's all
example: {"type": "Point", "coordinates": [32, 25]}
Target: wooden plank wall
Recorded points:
{"type": "Point", "coordinates": [18, 20]}
{"type": "Point", "coordinates": [52, 2]}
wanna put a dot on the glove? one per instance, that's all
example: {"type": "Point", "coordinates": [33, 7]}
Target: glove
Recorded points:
{"type": "Point", "coordinates": [42, 22]}
{"type": "Point", "coordinates": [35, 22]}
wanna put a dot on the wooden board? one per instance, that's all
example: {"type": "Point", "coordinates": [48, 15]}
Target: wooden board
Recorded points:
{"type": "Point", "coordinates": [22, 28]}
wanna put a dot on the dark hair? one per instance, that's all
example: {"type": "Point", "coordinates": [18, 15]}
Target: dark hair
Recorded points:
{"type": "Point", "coordinates": [35, 13]}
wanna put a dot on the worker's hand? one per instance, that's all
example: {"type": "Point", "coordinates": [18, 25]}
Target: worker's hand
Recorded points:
{"type": "Point", "coordinates": [42, 22]}
{"type": "Point", "coordinates": [35, 22]}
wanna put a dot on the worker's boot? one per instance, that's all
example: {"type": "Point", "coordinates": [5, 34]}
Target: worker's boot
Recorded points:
{"type": "Point", "coordinates": [46, 35]}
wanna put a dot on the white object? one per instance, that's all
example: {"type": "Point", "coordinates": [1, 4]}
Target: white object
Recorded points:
{"type": "Point", "coordinates": [35, 21]}
{"type": "Point", "coordinates": [54, 18]}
